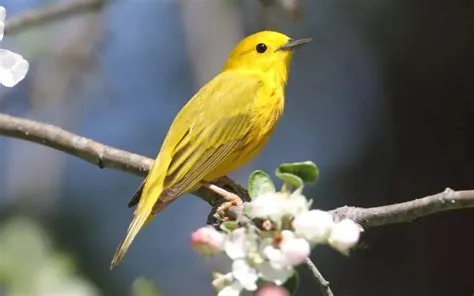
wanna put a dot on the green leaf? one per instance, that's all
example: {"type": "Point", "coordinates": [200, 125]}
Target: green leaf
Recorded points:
{"type": "Point", "coordinates": [292, 283]}
{"type": "Point", "coordinates": [260, 183]}
{"type": "Point", "coordinates": [229, 226]}
{"type": "Point", "coordinates": [298, 173]}
{"type": "Point", "coordinates": [144, 287]}
{"type": "Point", "coordinates": [290, 179]}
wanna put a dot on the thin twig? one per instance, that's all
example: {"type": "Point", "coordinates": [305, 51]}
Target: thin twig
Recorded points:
{"type": "Point", "coordinates": [323, 283]}
{"type": "Point", "coordinates": [51, 13]}
{"type": "Point", "coordinates": [109, 157]}
{"type": "Point", "coordinates": [407, 211]}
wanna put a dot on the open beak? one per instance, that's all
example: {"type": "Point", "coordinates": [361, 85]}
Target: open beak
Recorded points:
{"type": "Point", "coordinates": [291, 44]}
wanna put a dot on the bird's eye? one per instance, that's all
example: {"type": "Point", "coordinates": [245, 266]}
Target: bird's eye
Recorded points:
{"type": "Point", "coordinates": [261, 48]}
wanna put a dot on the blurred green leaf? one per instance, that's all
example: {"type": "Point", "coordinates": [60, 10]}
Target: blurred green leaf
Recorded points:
{"type": "Point", "coordinates": [31, 265]}
{"type": "Point", "coordinates": [260, 183]}
{"type": "Point", "coordinates": [292, 283]}
{"type": "Point", "coordinates": [144, 287]}
{"type": "Point", "coordinates": [298, 173]}
{"type": "Point", "coordinates": [229, 226]}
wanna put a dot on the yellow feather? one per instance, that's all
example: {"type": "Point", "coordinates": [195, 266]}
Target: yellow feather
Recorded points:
{"type": "Point", "coordinates": [224, 125]}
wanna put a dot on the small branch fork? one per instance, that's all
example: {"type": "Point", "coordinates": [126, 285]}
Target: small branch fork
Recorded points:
{"type": "Point", "coordinates": [110, 157]}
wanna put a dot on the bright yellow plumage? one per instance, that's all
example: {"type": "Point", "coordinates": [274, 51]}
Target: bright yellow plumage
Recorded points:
{"type": "Point", "coordinates": [225, 124]}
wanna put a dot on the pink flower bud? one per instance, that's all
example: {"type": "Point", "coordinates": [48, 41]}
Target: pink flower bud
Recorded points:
{"type": "Point", "coordinates": [207, 240]}
{"type": "Point", "coordinates": [271, 290]}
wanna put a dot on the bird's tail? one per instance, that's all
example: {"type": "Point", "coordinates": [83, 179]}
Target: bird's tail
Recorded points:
{"type": "Point", "coordinates": [139, 220]}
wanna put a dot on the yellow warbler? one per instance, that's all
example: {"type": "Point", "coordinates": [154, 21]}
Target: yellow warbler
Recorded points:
{"type": "Point", "coordinates": [224, 125]}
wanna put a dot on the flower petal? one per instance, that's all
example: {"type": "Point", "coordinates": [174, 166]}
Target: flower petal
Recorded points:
{"type": "Point", "coordinates": [234, 244]}
{"type": "Point", "coordinates": [295, 250]}
{"type": "Point", "coordinates": [207, 240]}
{"type": "Point", "coordinates": [233, 289]}
{"type": "Point", "coordinates": [314, 225]}
{"type": "Point", "coordinates": [272, 254]}
{"type": "Point", "coordinates": [345, 235]}
{"type": "Point", "coordinates": [278, 276]}
{"type": "Point", "coordinates": [245, 275]}
{"type": "Point", "coordinates": [3, 13]}
{"type": "Point", "coordinates": [296, 203]}
{"type": "Point", "coordinates": [13, 68]}
{"type": "Point", "coordinates": [264, 206]}
{"type": "Point", "coordinates": [2, 21]}
{"type": "Point", "coordinates": [2, 30]}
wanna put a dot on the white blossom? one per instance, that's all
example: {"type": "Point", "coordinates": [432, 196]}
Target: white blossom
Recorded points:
{"type": "Point", "coordinates": [344, 235]}
{"type": "Point", "coordinates": [295, 250]}
{"type": "Point", "coordinates": [13, 67]}
{"type": "Point", "coordinates": [234, 245]}
{"type": "Point", "coordinates": [275, 268]}
{"type": "Point", "coordinates": [265, 206]}
{"type": "Point", "coordinates": [242, 277]}
{"type": "Point", "coordinates": [291, 251]}
{"type": "Point", "coordinates": [239, 243]}
{"type": "Point", "coordinates": [295, 204]}
{"type": "Point", "coordinates": [275, 206]}
{"type": "Point", "coordinates": [272, 254]}
{"type": "Point", "coordinates": [314, 225]}
{"type": "Point", "coordinates": [278, 276]}
{"type": "Point", "coordinates": [3, 13]}
{"type": "Point", "coordinates": [245, 274]}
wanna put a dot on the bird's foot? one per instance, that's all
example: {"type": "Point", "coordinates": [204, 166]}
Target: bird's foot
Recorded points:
{"type": "Point", "coordinates": [232, 199]}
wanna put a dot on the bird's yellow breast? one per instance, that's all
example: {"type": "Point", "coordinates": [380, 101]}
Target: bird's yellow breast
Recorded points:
{"type": "Point", "coordinates": [265, 113]}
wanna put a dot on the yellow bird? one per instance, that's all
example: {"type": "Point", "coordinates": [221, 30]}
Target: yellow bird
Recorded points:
{"type": "Point", "coordinates": [224, 125]}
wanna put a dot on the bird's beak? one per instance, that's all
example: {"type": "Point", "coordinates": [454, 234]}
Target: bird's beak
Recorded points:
{"type": "Point", "coordinates": [291, 44]}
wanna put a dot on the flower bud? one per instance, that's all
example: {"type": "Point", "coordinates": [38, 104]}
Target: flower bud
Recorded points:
{"type": "Point", "coordinates": [207, 241]}
{"type": "Point", "coordinates": [13, 68]}
{"type": "Point", "coordinates": [271, 290]}
{"type": "Point", "coordinates": [314, 225]}
{"type": "Point", "coordinates": [344, 235]}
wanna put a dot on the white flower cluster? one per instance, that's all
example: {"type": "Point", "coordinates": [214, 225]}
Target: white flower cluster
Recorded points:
{"type": "Point", "coordinates": [13, 67]}
{"type": "Point", "coordinates": [283, 241]}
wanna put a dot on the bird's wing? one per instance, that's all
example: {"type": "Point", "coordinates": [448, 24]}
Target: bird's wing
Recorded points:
{"type": "Point", "coordinates": [215, 121]}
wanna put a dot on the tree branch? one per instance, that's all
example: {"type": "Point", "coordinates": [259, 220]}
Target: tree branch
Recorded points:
{"type": "Point", "coordinates": [96, 153]}
{"type": "Point", "coordinates": [51, 13]}
{"type": "Point", "coordinates": [109, 157]}
{"type": "Point", "coordinates": [407, 211]}
{"type": "Point", "coordinates": [323, 284]}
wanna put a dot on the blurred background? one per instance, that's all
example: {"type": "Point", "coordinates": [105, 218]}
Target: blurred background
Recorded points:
{"type": "Point", "coordinates": [382, 101]}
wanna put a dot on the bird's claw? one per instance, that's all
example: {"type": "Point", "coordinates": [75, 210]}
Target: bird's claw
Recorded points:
{"type": "Point", "coordinates": [232, 200]}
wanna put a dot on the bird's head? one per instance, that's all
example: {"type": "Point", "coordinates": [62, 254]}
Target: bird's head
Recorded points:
{"type": "Point", "coordinates": [265, 51]}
